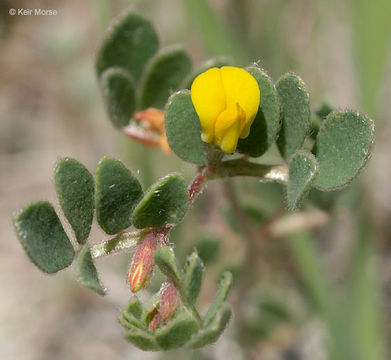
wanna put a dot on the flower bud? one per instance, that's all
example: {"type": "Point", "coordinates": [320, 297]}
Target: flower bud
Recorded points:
{"type": "Point", "coordinates": [142, 264]}
{"type": "Point", "coordinates": [155, 321]}
{"type": "Point", "coordinates": [169, 300]}
{"type": "Point", "coordinates": [150, 129]}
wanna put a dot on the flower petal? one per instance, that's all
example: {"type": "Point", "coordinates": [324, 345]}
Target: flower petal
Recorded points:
{"type": "Point", "coordinates": [208, 97]}
{"type": "Point", "coordinates": [242, 88]}
{"type": "Point", "coordinates": [228, 126]}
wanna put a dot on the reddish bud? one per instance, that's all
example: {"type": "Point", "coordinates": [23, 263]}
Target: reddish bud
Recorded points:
{"type": "Point", "coordinates": [149, 130]}
{"type": "Point", "coordinates": [142, 264]}
{"type": "Point", "coordinates": [155, 321]}
{"type": "Point", "coordinates": [169, 300]}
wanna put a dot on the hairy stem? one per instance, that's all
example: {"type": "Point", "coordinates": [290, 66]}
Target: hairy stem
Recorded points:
{"type": "Point", "coordinates": [241, 167]}
{"type": "Point", "coordinates": [188, 305]}
{"type": "Point", "coordinates": [126, 241]}
{"type": "Point", "coordinates": [121, 242]}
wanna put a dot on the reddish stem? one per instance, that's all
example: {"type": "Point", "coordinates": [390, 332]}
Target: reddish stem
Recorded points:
{"type": "Point", "coordinates": [196, 186]}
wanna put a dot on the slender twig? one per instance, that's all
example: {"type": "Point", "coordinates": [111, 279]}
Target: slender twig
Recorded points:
{"type": "Point", "coordinates": [126, 241]}
{"type": "Point", "coordinates": [242, 167]}
{"type": "Point", "coordinates": [188, 305]}
{"type": "Point", "coordinates": [120, 243]}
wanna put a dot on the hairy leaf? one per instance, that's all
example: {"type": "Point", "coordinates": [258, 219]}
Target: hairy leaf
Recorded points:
{"type": "Point", "coordinates": [164, 203]}
{"type": "Point", "coordinates": [164, 75]}
{"type": "Point", "coordinates": [177, 331]}
{"type": "Point", "coordinates": [117, 193]}
{"type": "Point", "coordinates": [303, 169]}
{"type": "Point", "coordinates": [75, 191]}
{"type": "Point", "coordinates": [221, 295]}
{"type": "Point", "coordinates": [264, 130]}
{"type": "Point", "coordinates": [211, 333]}
{"type": "Point", "coordinates": [343, 146]}
{"type": "Point", "coordinates": [192, 280]}
{"type": "Point", "coordinates": [183, 128]}
{"type": "Point", "coordinates": [165, 260]}
{"type": "Point", "coordinates": [129, 43]}
{"type": "Point", "coordinates": [295, 114]}
{"type": "Point", "coordinates": [40, 231]}
{"type": "Point", "coordinates": [119, 94]}
{"type": "Point", "coordinates": [142, 339]}
{"type": "Point", "coordinates": [88, 274]}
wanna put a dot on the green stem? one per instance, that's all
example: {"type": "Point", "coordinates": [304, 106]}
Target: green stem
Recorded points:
{"type": "Point", "coordinates": [188, 305]}
{"type": "Point", "coordinates": [119, 243]}
{"type": "Point", "coordinates": [241, 167]}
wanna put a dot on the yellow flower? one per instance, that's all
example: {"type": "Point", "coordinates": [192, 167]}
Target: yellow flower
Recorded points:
{"type": "Point", "coordinates": [226, 101]}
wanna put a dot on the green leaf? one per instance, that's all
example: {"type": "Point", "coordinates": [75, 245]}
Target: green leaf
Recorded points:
{"type": "Point", "coordinates": [88, 273]}
{"type": "Point", "coordinates": [221, 295]}
{"type": "Point", "coordinates": [129, 43]}
{"type": "Point", "coordinates": [163, 75]}
{"type": "Point", "coordinates": [192, 280]}
{"type": "Point", "coordinates": [164, 203]}
{"type": "Point", "coordinates": [183, 128]}
{"type": "Point", "coordinates": [75, 191]}
{"type": "Point", "coordinates": [165, 260]}
{"type": "Point", "coordinates": [119, 94]}
{"type": "Point", "coordinates": [218, 62]}
{"type": "Point", "coordinates": [295, 114]}
{"type": "Point", "coordinates": [264, 130]}
{"type": "Point", "coordinates": [150, 307]}
{"type": "Point", "coordinates": [125, 323]}
{"type": "Point", "coordinates": [132, 320]}
{"type": "Point", "coordinates": [117, 193]}
{"type": "Point", "coordinates": [142, 339]}
{"type": "Point", "coordinates": [177, 331]}
{"type": "Point", "coordinates": [343, 146]}
{"type": "Point", "coordinates": [40, 231]}
{"type": "Point", "coordinates": [134, 307]}
{"type": "Point", "coordinates": [211, 333]}
{"type": "Point", "coordinates": [303, 169]}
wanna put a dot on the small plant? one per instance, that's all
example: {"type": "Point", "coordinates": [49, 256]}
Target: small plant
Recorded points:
{"type": "Point", "coordinates": [222, 121]}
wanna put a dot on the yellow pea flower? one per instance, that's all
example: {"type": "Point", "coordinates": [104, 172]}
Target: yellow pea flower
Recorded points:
{"type": "Point", "coordinates": [226, 101]}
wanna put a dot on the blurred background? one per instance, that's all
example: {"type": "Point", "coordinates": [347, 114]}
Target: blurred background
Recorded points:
{"type": "Point", "coordinates": [323, 275]}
